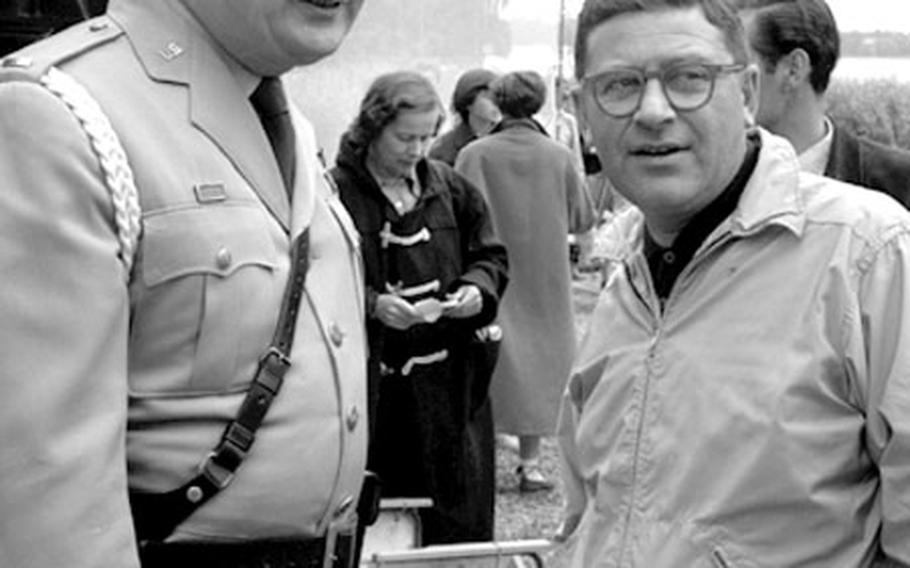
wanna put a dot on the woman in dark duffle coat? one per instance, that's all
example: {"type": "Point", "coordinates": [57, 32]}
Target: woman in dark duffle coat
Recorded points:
{"type": "Point", "coordinates": [435, 272]}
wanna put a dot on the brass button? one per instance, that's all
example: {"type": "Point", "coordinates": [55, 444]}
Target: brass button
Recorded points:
{"type": "Point", "coordinates": [223, 258]}
{"type": "Point", "coordinates": [336, 335]}
{"type": "Point", "coordinates": [352, 418]}
{"type": "Point", "coordinates": [344, 506]}
{"type": "Point", "coordinates": [18, 62]}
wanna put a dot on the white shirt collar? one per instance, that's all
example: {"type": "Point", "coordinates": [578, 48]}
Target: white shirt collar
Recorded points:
{"type": "Point", "coordinates": [814, 159]}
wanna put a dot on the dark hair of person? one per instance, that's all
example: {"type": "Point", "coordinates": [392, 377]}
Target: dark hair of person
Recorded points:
{"type": "Point", "coordinates": [519, 94]}
{"type": "Point", "coordinates": [718, 12]}
{"type": "Point", "coordinates": [388, 96]}
{"type": "Point", "coordinates": [470, 84]}
{"type": "Point", "coordinates": [784, 25]}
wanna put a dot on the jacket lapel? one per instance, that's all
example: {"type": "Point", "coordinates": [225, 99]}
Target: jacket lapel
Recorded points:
{"type": "Point", "coordinates": [844, 159]}
{"type": "Point", "coordinates": [217, 107]}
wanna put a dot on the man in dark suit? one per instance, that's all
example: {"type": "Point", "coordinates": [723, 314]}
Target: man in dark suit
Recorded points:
{"type": "Point", "coordinates": [796, 44]}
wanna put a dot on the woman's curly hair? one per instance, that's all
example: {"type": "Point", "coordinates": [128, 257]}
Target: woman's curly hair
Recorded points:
{"type": "Point", "coordinates": [387, 97]}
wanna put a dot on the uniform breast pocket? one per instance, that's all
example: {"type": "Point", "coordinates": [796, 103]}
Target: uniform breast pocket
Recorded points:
{"type": "Point", "coordinates": [207, 300]}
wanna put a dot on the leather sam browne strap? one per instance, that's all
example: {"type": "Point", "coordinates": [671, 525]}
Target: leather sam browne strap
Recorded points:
{"type": "Point", "coordinates": [156, 515]}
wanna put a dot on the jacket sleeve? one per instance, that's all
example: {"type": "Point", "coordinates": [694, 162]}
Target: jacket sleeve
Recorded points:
{"type": "Point", "coordinates": [64, 316]}
{"type": "Point", "coordinates": [884, 296]}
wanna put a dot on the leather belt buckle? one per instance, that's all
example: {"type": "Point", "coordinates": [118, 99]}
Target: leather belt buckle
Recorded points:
{"type": "Point", "coordinates": [217, 475]}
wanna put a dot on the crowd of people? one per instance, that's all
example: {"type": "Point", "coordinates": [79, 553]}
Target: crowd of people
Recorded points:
{"type": "Point", "coordinates": [220, 351]}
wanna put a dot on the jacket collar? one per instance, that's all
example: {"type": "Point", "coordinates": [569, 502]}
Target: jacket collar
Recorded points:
{"type": "Point", "coordinates": [771, 197]}
{"type": "Point", "coordinates": [519, 123]}
{"type": "Point", "coordinates": [173, 48]}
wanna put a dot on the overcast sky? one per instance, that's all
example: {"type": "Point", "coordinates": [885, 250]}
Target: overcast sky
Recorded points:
{"type": "Point", "coordinates": [851, 15]}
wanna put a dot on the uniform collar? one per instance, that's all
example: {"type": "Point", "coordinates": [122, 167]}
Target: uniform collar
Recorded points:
{"type": "Point", "coordinates": [174, 48]}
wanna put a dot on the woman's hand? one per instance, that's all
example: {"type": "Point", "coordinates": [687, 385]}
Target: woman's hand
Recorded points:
{"type": "Point", "coordinates": [396, 312]}
{"type": "Point", "coordinates": [467, 301]}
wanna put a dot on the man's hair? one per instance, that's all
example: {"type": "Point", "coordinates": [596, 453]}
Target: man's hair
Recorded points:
{"type": "Point", "coordinates": [519, 94]}
{"type": "Point", "coordinates": [718, 12]}
{"type": "Point", "coordinates": [387, 97]}
{"type": "Point", "coordinates": [784, 25]}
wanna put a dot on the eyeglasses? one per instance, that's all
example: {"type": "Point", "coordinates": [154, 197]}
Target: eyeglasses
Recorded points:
{"type": "Point", "coordinates": [687, 87]}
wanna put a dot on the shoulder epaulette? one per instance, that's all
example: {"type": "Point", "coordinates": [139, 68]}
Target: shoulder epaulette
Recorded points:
{"type": "Point", "coordinates": [40, 63]}
{"type": "Point", "coordinates": [32, 62]}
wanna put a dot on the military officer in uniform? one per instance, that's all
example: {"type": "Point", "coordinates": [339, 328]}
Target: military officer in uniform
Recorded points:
{"type": "Point", "coordinates": [123, 365]}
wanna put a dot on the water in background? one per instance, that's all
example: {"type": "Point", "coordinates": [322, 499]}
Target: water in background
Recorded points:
{"type": "Point", "coordinates": [894, 68]}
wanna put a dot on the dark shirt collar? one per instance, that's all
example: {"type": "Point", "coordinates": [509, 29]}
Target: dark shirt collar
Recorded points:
{"type": "Point", "coordinates": [666, 263]}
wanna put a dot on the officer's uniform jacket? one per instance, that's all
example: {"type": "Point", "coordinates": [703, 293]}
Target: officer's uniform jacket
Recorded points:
{"type": "Point", "coordinates": [113, 380]}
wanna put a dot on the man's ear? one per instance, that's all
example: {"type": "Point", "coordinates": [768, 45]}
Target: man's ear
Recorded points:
{"type": "Point", "coordinates": [796, 67]}
{"type": "Point", "coordinates": [751, 91]}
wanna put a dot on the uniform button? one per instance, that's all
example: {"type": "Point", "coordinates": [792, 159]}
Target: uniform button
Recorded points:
{"type": "Point", "coordinates": [344, 506]}
{"type": "Point", "coordinates": [352, 418]}
{"type": "Point", "coordinates": [669, 257]}
{"type": "Point", "coordinates": [18, 62]}
{"type": "Point", "coordinates": [336, 335]}
{"type": "Point", "coordinates": [97, 26]}
{"type": "Point", "coordinates": [223, 258]}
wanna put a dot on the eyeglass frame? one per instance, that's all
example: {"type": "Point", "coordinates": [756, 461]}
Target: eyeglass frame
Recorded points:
{"type": "Point", "coordinates": [714, 70]}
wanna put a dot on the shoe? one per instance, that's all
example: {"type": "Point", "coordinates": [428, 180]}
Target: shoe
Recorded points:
{"type": "Point", "coordinates": [530, 480]}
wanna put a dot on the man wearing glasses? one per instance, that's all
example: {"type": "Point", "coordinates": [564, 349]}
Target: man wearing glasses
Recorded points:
{"type": "Point", "coordinates": [742, 397]}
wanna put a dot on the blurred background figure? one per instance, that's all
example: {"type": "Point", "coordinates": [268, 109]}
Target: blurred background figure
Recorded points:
{"type": "Point", "coordinates": [476, 114]}
{"type": "Point", "coordinates": [434, 272]}
{"type": "Point", "coordinates": [796, 44]}
{"type": "Point", "coordinates": [537, 196]}
{"type": "Point", "coordinates": [557, 116]}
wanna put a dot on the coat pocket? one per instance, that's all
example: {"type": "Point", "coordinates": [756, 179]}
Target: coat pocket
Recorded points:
{"type": "Point", "coordinates": [208, 298]}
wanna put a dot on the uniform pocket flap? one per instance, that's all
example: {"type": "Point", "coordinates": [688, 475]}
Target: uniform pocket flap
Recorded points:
{"type": "Point", "coordinates": [209, 240]}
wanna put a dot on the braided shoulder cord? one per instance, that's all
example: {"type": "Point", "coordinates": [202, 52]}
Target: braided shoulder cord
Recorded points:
{"type": "Point", "coordinates": [118, 177]}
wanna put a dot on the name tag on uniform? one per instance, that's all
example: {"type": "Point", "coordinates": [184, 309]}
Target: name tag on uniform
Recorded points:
{"type": "Point", "coordinates": [210, 192]}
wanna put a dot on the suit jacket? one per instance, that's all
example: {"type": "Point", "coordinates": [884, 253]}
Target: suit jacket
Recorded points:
{"type": "Point", "coordinates": [864, 162]}
{"type": "Point", "coordinates": [114, 380]}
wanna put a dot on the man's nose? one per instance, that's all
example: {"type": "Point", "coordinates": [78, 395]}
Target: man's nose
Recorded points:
{"type": "Point", "coordinates": [654, 108]}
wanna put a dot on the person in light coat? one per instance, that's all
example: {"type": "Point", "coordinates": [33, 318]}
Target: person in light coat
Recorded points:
{"type": "Point", "coordinates": [119, 381]}
{"type": "Point", "coordinates": [537, 198]}
{"type": "Point", "coordinates": [742, 397]}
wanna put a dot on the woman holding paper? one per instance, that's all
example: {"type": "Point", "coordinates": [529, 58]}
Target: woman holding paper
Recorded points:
{"type": "Point", "coordinates": [435, 272]}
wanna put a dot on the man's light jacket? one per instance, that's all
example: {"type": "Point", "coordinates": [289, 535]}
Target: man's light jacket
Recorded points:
{"type": "Point", "coordinates": [762, 417]}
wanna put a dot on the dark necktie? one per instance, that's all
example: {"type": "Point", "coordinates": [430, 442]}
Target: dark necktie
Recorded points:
{"type": "Point", "coordinates": [272, 107]}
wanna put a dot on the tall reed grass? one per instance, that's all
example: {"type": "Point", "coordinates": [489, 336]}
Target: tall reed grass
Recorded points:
{"type": "Point", "coordinates": [877, 108]}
